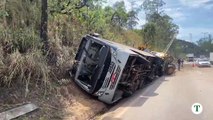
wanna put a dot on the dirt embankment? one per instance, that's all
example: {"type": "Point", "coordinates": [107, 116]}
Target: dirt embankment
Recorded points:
{"type": "Point", "coordinates": [65, 101]}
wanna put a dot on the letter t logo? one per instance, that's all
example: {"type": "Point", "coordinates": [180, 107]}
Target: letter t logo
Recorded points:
{"type": "Point", "coordinates": [197, 108]}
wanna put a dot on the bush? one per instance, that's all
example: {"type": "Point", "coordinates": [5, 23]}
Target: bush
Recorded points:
{"type": "Point", "coordinates": [27, 68]}
{"type": "Point", "coordinates": [25, 40]}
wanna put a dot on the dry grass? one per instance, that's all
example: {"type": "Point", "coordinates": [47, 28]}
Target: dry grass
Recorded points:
{"type": "Point", "coordinates": [17, 68]}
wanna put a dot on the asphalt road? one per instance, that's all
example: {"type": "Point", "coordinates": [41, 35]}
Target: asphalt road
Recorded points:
{"type": "Point", "coordinates": [169, 98]}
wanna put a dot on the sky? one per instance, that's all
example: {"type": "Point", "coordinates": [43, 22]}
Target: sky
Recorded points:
{"type": "Point", "coordinates": [194, 17]}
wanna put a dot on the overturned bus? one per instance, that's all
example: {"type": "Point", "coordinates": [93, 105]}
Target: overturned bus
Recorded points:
{"type": "Point", "coordinates": [111, 70]}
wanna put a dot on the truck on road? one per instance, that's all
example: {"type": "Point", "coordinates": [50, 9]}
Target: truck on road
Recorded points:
{"type": "Point", "coordinates": [190, 57]}
{"type": "Point", "coordinates": [211, 57]}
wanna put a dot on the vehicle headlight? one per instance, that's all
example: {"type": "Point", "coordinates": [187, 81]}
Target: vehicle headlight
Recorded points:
{"type": "Point", "coordinates": [99, 93]}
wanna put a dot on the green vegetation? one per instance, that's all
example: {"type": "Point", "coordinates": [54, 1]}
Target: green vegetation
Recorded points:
{"type": "Point", "coordinates": [39, 38]}
{"type": "Point", "coordinates": [206, 44]}
{"type": "Point", "coordinates": [180, 48]}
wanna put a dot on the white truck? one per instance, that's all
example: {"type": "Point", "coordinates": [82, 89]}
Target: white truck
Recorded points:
{"type": "Point", "coordinates": [190, 57]}
{"type": "Point", "coordinates": [211, 57]}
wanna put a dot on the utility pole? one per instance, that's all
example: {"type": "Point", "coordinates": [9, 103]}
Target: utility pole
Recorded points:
{"type": "Point", "coordinates": [204, 35]}
{"type": "Point", "coordinates": [210, 37]}
{"type": "Point", "coordinates": [193, 49]}
{"type": "Point", "coordinates": [190, 37]}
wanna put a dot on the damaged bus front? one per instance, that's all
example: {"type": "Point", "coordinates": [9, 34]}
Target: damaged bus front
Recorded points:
{"type": "Point", "coordinates": [109, 70]}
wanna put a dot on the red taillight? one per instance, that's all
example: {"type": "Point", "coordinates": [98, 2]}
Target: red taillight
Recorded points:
{"type": "Point", "coordinates": [113, 77]}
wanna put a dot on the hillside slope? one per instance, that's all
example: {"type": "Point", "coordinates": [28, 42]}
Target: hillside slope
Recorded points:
{"type": "Point", "coordinates": [182, 47]}
{"type": "Point", "coordinates": [65, 101]}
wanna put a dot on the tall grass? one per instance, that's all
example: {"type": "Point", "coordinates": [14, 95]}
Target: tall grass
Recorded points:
{"type": "Point", "coordinates": [27, 68]}
{"type": "Point", "coordinates": [21, 58]}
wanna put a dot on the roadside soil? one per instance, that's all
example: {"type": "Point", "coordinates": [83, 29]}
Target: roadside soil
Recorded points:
{"type": "Point", "coordinates": [65, 101]}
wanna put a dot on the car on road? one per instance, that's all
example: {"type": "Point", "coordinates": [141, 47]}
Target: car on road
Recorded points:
{"type": "Point", "coordinates": [203, 63]}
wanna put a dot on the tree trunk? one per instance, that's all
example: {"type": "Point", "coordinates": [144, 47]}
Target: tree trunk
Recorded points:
{"type": "Point", "coordinates": [44, 23]}
{"type": "Point", "coordinates": [51, 56]}
{"type": "Point", "coordinates": [4, 18]}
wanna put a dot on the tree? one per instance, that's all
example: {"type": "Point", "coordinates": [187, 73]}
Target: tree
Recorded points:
{"type": "Point", "coordinates": [120, 16]}
{"type": "Point", "coordinates": [165, 29]}
{"type": "Point", "coordinates": [165, 24]}
{"type": "Point", "coordinates": [152, 6]}
{"type": "Point", "coordinates": [206, 44]}
{"type": "Point", "coordinates": [44, 23]}
{"type": "Point", "coordinates": [132, 19]}
{"type": "Point", "coordinates": [148, 32]}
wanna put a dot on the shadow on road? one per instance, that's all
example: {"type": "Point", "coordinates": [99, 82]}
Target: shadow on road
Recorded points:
{"type": "Point", "coordinates": [141, 96]}
{"type": "Point", "coordinates": [110, 118]}
{"type": "Point", "coordinates": [137, 99]}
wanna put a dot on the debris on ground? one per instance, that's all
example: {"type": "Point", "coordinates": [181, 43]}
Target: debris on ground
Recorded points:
{"type": "Point", "coordinates": [18, 111]}
{"type": "Point", "coordinates": [63, 102]}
